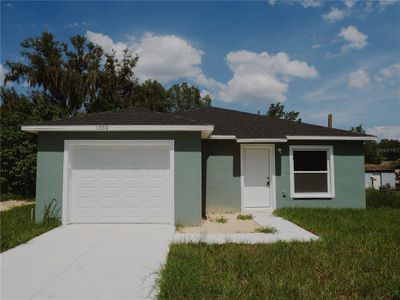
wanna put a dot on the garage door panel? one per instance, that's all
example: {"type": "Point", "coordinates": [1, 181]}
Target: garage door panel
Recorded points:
{"type": "Point", "coordinates": [85, 192]}
{"type": "Point", "coordinates": [121, 184]}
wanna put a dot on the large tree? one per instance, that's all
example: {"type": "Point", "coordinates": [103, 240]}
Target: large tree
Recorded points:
{"type": "Point", "coordinates": [277, 110]}
{"type": "Point", "coordinates": [153, 96]}
{"type": "Point", "coordinates": [77, 76]}
{"type": "Point", "coordinates": [371, 148]}
{"type": "Point", "coordinates": [18, 148]}
{"type": "Point", "coordinates": [186, 97]}
{"type": "Point", "coordinates": [389, 149]}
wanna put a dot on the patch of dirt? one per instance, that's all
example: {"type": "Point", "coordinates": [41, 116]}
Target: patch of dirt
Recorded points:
{"type": "Point", "coordinates": [232, 225]}
{"type": "Point", "coordinates": [6, 205]}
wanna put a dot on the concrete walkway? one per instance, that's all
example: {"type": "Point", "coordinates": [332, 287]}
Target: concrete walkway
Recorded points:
{"type": "Point", "coordinates": [113, 261]}
{"type": "Point", "coordinates": [286, 231]}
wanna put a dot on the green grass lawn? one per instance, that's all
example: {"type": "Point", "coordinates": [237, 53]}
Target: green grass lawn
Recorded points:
{"type": "Point", "coordinates": [358, 257]}
{"type": "Point", "coordinates": [17, 227]}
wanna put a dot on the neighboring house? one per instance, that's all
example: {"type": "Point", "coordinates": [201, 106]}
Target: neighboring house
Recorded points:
{"type": "Point", "coordinates": [139, 166]}
{"type": "Point", "coordinates": [380, 175]}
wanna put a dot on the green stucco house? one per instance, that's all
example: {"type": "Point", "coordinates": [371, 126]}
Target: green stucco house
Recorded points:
{"type": "Point", "coordinates": [137, 166]}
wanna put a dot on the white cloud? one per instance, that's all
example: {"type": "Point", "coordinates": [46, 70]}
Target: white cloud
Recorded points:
{"type": "Point", "coordinates": [107, 43]}
{"type": "Point", "coordinates": [349, 3]}
{"type": "Point", "coordinates": [316, 46]}
{"type": "Point", "coordinates": [262, 78]}
{"type": "Point", "coordinates": [165, 58]}
{"type": "Point", "coordinates": [76, 24]}
{"type": "Point", "coordinates": [385, 132]}
{"type": "Point", "coordinates": [310, 3]}
{"type": "Point", "coordinates": [390, 74]}
{"type": "Point", "coordinates": [334, 15]}
{"type": "Point", "coordinates": [304, 3]}
{"type": "Point", "coordinates": [2, 74]}
{"type": "Point", "coordinates": [358, 79]}
{"type": "Point", "coordinates": [254, 88]}
{"type": "Point", "coordinates": [388, 2]}
{"type": "Point", "coordinates": [390, 71]}
{"type": "Point", "coordinates": [257, 77]}
{"type": "Point", "coordinates": [354, 38]}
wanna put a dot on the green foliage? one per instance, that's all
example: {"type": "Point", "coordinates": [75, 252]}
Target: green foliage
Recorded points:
{"type": "Point", "coordinates": [375, 153]}
{"type": "Point", "coordinates": [356, 258]}
{"type": "Point", "coordinates": [51, 213]}
{"type": "Point", "coordinates": [116, 87]}
{"type": "Point", "coordinates": [153, 96]}
{"type": "Point", "coordinates": [371, 149]}
{"type": "Point", "coordinates": [389, 149]}
{"type": "Point", "coordinates": [18, 149]}
{"type": "Point", "coordinates": [244, 217]}
{"type": "Point", "coordinates": [183, 97]}
{"type": "Point", "coordinates": [67, 75]}
{"type": "Point", "coordinates": [266, 229]}
{"type": "Point", "coordinates": [371, 153]}
{"type": "Point", "coordinates": [179, 227]}
{"type": "Point", "coordinates": [277, 110]}
{"type": "Point", "coordinates": [383, 198]}
{"type": "Point", "coordinates": [221, 220]}
{"type": "Point", "coordinates": [358, 129]}
{"type": "Point", "coordinates": [18, 227]}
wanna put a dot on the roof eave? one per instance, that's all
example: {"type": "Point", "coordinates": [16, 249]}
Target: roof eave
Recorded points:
{"type": "Point", "coordinates": [330, 138]}
{"type": "Point", "coordinates": [294, 138]}
{"type": "Point", "coordinates": [205, 130]}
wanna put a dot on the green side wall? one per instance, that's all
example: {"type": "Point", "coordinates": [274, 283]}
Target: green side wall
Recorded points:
{"type": "Point", "coordinates": [221, 176]}
{"type": "Point", "coordinates": [187, 168]}
{"type": "Point", "coordinates": [349, 176]}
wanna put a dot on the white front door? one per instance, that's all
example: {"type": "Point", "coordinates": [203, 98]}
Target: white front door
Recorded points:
{"type": "Point", "coordinates": [257, 179]}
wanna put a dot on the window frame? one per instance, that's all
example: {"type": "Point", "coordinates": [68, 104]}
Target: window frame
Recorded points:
{"type": "Point", "coordinates": [330, 171]}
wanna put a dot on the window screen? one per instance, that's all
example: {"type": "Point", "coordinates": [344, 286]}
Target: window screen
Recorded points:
{"type": "Point", "coordinates": [310, 183]}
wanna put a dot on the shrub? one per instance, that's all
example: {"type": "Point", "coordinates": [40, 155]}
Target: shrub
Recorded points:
{"type": "Point", "coordinates": [383, 198]}
{"type": "Point", "coordinates": [221, 220]}
{"type": "Point", "coordinates": [51, 213]}
{"type": "Point", "coordinates": [266, 229]}
{"type": "Point", "coordinates": [244, 217]}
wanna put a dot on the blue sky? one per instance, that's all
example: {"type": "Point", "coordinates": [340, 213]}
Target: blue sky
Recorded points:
{"type": "Point", "coordinates": [318, 57]}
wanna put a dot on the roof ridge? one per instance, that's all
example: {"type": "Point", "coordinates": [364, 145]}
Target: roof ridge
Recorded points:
{"type": "Point", "coordinates": [173, 115]}
{"type": "Point", "coordinates": [285, 121]}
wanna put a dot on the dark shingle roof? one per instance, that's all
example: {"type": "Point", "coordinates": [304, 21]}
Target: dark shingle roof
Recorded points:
{"type": "Point", "coordinates": [225, 121]}
{"type": "Point", "coordinates": [247, 125]}
{"type": "Point", "coordinates": [128, 116]}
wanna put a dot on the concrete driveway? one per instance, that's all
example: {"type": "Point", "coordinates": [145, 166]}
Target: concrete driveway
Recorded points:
{"type": "Point", "coordinates": [113, 261]}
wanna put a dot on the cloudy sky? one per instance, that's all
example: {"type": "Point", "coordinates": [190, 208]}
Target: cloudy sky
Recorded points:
{"type": "Point", "coordinates": [317, 57]}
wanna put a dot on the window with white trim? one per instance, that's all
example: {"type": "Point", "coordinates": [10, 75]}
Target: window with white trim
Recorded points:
{"type": "Point", "coordinates": [311, 172]}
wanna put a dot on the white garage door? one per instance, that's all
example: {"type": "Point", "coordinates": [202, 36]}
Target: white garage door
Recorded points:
{"type": "Point", "coordinates": [120, 184]}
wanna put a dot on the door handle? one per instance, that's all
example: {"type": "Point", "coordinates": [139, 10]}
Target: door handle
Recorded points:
{"type": "Point", "coordinates": [267, 182]}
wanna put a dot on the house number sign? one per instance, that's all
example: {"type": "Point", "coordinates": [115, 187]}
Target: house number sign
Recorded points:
{"type": "Point", "coordinates": [102, 127]}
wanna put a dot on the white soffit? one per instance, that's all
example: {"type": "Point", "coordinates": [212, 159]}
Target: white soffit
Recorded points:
{"type": "Point", "coordinates": [330, 138]}
{"type": "Point", "coordinates": [206, 130]}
